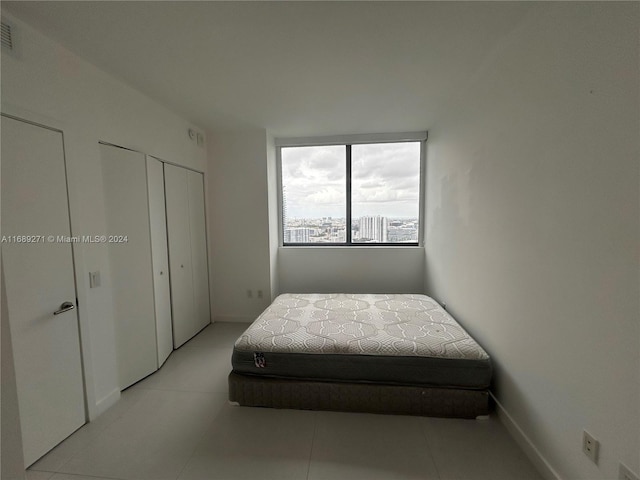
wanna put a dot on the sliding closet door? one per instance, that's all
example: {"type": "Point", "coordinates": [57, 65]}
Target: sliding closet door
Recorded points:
{"type": "Point", "coordinates": [179, 234]}
{"type": "Point", "coordinates": [160, 256]}
{"type": "Point", "coordinates": [199, 261]}
{"type": "Point", "coordinates": [126, 202]}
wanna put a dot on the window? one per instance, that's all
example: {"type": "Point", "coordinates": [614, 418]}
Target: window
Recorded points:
{"type": "Point", "coordinates": [363, 192]}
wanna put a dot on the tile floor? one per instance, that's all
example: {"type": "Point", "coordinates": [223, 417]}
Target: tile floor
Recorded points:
{"type": "Point", "coordinates": [177, 424]}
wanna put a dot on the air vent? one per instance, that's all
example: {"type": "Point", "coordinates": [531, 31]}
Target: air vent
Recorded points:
{"type": "Point", "coordinates": [7, 38]}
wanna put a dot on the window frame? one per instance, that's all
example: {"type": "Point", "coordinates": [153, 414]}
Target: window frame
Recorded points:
{"type": "Point", "coordinates": [349, 141]}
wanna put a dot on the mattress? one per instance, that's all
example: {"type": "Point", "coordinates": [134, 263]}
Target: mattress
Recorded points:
{"type": "Point", "coordinates": [388, 339]}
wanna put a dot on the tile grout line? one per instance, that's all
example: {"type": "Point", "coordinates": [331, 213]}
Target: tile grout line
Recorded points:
{"type": "Point", "coordinates": [313, 438]}
{"type": "Point", "coordinates": [204, 433]}
{"type": "Point", "coordinates": [60, 467]}
{"type": "Point", "coordinates": [86, 445]}
{"type": "Point", "coordinates": [167, 389]}
{"type": "Point", "coordinates": [29, 469]}
{"type": "Point", "coordinates": [193, 453]}
{"type": "Point", "coordinates": [426, 441]}
{"type": "Point", "coordinates": [88, 476]}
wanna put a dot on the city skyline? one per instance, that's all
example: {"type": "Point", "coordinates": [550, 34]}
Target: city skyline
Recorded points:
{"type": "Point", "coordinates": [366, 229]}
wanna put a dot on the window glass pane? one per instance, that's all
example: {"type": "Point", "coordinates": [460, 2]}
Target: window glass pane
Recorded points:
{"type": "Point", "coordinates": [385, 192]}
{"type": "Point", "coordinates": [314, 194]}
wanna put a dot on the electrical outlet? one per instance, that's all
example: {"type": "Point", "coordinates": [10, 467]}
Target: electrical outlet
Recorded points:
{"type": "Point", "coordinates": [249, 293]}
{"type": "Point", "coordinates": [590, 446]}
{"type": "Point", "coordinates": [626, 474]}
{"type": "Point", "coordinates": [260, 295]}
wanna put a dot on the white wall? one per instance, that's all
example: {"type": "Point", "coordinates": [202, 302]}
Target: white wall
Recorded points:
{"type": "Point", "coordinates": [46, 83]}
{"type": "Point", "coordinates": [274, 212]}
{"type": "Point", "coordinates": [533, 228]}
{"type": "Point", "coordinates": [238, 215]}
{"type": "Point", "coordinates": [351, 269]}
{"type": "Point", "coordinates": [243, 215]}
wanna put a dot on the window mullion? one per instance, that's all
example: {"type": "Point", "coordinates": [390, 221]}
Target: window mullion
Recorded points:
{"type": "Point", "coordinates": [348, 220]}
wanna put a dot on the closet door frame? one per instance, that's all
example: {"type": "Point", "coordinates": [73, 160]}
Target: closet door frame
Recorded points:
{"type": "Point", "coordinates": [186, 323]}
{"type": "Point", "coordinates": [159, 257]}
{"type": "Point", "coordinates": [201, 287]}
{"type": "Point", "coordinates": [131, 262]}
{"type": "Point", "coordinates": [179, 236]}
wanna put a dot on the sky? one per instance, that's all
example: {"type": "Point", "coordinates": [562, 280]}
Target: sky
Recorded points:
{"type": "Point", "coordinates": [385, 180]}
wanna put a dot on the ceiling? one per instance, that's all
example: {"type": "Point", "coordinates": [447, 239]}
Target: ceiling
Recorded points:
{"type": "Point", "coordinates": [294, 68]}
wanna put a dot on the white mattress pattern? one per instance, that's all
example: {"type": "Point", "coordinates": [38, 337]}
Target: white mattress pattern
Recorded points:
{"type": "Point", "coordinates": [362, 324]}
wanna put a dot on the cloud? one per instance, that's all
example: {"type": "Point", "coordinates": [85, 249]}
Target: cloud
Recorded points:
{"type": "Point", "coordinates": [327, 196]}
{"type": "Point", "coordinates": [385, 180]}
{"type": "Point", "coordinates": [313, 162]}
{"type": "Point", "coordinates": [387, 174]}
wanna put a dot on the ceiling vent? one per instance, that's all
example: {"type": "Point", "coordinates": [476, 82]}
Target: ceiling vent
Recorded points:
{"type": "Point", "coordinates": [7, 36]}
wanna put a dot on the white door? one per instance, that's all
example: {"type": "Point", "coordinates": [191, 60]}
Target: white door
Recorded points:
{"type": "Point", "coordinates": [158, 219]}
{"type": "Point", "coordinates": [179, 234]}
{"type": "Point", "coordinates": [199, 261]}
{"type": "Point", "coordinates": [124, 174]}
{"type": "Point", "coordinates": [39, 278]}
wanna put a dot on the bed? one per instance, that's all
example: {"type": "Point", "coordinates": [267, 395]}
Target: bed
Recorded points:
{"type": "Point", "coordinates": [400, 354]}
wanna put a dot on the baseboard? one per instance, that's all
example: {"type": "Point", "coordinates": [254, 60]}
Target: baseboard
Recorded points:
{"type": "Point", "coordinates": [105, 403]}
{"type": "Point", "coordinates": [234, 319]}
{"type": "Point", "coordinates": [521, 438]}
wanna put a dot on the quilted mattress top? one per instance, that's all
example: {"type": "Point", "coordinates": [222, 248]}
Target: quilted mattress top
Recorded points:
{"type": "Point", "coordinates": [359, 324]}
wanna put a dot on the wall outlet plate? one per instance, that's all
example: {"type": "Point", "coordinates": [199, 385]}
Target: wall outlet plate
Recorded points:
{"type": "Point", "coordinates": [94, 279]}
{"type": "Point", "coordinates": [626, 474]}
{"type": "Point", "coordinates": [590, 446]}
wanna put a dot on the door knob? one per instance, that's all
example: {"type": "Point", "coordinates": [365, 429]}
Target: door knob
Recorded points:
{"type": "Point", "coordinates": [65, 307]}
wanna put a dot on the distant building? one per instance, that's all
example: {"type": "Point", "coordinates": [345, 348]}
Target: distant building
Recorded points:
{"type": "Point", "coordinates": [298, 235]}
{"type": "Point", "coordinates": [373, 229]}
{"type": "Point", "coordinates": [338, 235]}
{"type": "Point", "coordinates": [402, 234]}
